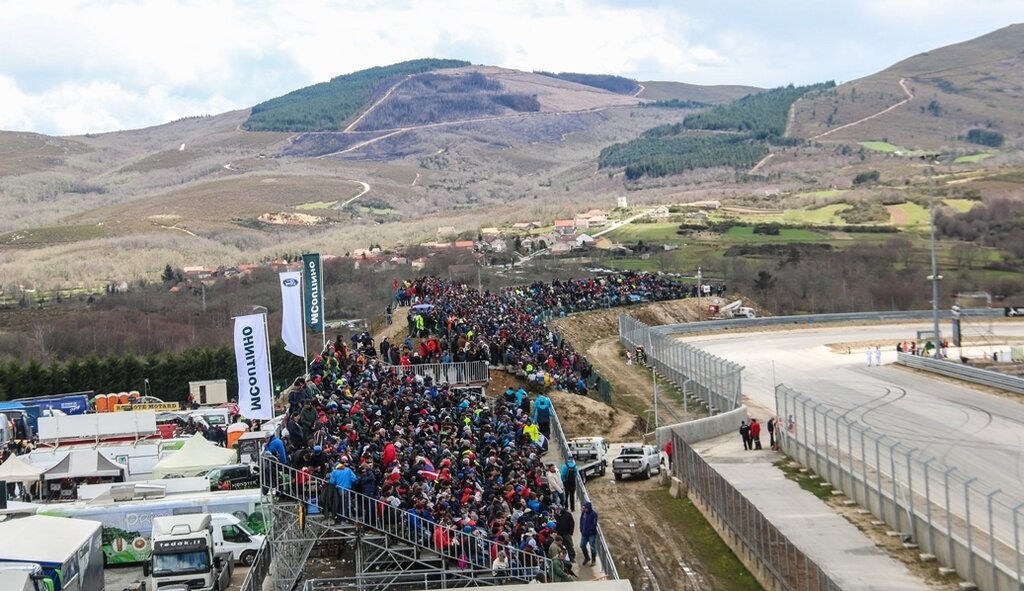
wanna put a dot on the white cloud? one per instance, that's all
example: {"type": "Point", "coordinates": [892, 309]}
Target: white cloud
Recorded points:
{"type": "Point", "coordinates": [74, 66]}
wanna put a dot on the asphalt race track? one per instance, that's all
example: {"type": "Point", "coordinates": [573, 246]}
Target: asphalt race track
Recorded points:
{"type": "Point", "coordinates": [980, 434]}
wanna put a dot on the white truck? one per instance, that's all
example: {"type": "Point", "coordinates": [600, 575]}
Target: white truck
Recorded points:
{"type": "Point", "coordinates": [590, 455]}
{"type": "Point", "coordinates": [737, 310]}
{"type": "Point", "coordinates": [636, 459]}
{"type": "Point", "coordinates": [184, 555]}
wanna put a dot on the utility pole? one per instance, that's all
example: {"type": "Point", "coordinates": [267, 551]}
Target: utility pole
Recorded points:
{"type": "Point", "coordinates": [935, 270]}
{"type": "Point", "coordinates": [700, 288]}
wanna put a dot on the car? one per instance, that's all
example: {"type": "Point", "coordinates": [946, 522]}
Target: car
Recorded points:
{"type": "Point", "coordinates": [636, 459]}
{"type": "Point", "coordinates": [232, 477]}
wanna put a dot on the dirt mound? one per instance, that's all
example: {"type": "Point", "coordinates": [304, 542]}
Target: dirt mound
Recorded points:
{"type": "Point", "coordinates": [586, 327]}
{"type": "Point", "coordinates": [585, 417]}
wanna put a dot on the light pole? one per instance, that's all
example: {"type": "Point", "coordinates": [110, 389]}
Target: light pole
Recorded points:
{"type": "Point", "coordinates": [935, 267]}
{"type": "Point", "coordinates": [700, 288]}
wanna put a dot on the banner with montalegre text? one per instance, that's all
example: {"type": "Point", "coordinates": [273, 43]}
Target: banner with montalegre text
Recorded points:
{"type": "Point", "coordinates": [292, 329]}
{"type": "Point", "coordinates": [313, 282]}
{"type": "Point", "coordinates": [253, 364]}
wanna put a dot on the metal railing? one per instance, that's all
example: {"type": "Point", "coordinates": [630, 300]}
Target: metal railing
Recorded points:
{"type": "Point", "coordinates": [260, 568]}
{"type": "Point", "coordinates": [460, 373]}
{"type": "Point", "coordinates": [818, 319]}
{"type": "Point", "coordinates": [603, 552]}
{"type": "Point", "coordinates": [409, 581]}
{"type": "Point", "coordinates": [447, 542]}
{"type": "Point", "coordinates": [958, 519]}
{"type": "Point", "coordinates": [725, 506]}
{"type": "Point", "coordinates": [985, 377]}
{"type": "Point", "coordinates": [716, 381]}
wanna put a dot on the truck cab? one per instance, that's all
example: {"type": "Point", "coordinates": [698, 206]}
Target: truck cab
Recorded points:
{"type": "Point", "coordinates": [183, 554]}
{"type": "Point", "coordinates": [590, 454]}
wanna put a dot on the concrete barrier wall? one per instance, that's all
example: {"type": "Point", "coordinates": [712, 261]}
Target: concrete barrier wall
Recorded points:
{"type": "Point", "coordinates": [701, 429]}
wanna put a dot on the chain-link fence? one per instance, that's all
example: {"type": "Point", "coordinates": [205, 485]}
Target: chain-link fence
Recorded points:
{"type": "Point", "coordinates": [963, 522]}
{"type": "Point", "coordinates": [741, 523]}
{"type": "Point", "coordinates": [716, 381]}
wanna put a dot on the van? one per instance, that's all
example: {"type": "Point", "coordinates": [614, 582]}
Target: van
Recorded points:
{"type": "Point", "coordinates": [231, 535]}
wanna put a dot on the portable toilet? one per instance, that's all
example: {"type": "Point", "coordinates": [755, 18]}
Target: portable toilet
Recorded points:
{"type": "Point", "coordinates": [111, 402]}
{"type": "Point", "coordinates": [101, 403]}
{"type": "Point", "coordinates": [122, 398]}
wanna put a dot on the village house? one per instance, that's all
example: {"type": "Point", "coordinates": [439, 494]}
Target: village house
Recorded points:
{"type": "Point", "coordinates": [660, 213]}
{"type": "Point", "coordinates": [489, 233]}
{"type": "Point", "coordinates": [464, 244]}
{"type": "Point", "coordinates": [444, 231]}
{"type": "Point", "coordinates": [565, 227]}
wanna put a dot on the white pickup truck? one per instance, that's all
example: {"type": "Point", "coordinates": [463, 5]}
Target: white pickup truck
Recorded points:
{"type": "Point", "coordinates": [637, 459]}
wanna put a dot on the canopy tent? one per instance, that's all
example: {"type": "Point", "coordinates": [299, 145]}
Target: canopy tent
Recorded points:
{"type": "Point", "coordinates": [16, 469]}
{"type": "Point", "coordinates": [196, 456]}
{"type": "Point", "coordinates": [85, 463]}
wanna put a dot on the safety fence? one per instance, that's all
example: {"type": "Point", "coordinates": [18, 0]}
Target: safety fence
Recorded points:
{"type": "Point", "coordinates": [685, 327]}
{"type": "Point", "coordinates": [459, 373]}
{"type": "Point", "coordinates": [601, 387]}
{"type": "Point", "coordinates": [953, 369]}
{"type": "Point", "coordinates": [260, 568]}
{"type": "Point", "coordinates": [448, 543]}
{"type": "Point", "coordinates": [603, 554]}
{"type": "Point", "coordinates": [964, 523]}
{"type": "Point", "coordinates": [716, 381]}
{"type": "Point", "coordinates": [742, 524]}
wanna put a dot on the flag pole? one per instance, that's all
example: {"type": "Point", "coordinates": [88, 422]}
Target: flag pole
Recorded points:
{"type": "Point", "coordinates": [270, 359]}
{"type": "Point", "coordinates": [323, 302]}
{"type": "Point", "coordinates": [302, 307]}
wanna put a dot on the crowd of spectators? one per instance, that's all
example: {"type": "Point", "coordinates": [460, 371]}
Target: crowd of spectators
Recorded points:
{"type": "Point", "coordinates": [447, 456]}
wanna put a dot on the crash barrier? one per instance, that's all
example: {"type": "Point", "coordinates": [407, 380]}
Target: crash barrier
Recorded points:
{"type": "Point", "coordinates": [604, 555]}
{"type": "Point", "coordinates": [765, 550]}
{"type": "Point", "coordinates": [701, 429]}
{"type": "Point", "coordinates": [259, 570]}
{"type": "Point", "coordinates": [706, 325]}
{"type": "Point", "coordinates": [951, 516]}
{"type": "Point", "coordinates": [460, 373]}
{"type": "Point", "coordinates": [451, 544]}
{"type": "Point", "coordinates": [976, 375]}
{"type": "Point", "coordinates": [716, 381]}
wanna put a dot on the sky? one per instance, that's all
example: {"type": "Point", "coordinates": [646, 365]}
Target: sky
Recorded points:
{"type": "Point", "coordinates": [72, 67]}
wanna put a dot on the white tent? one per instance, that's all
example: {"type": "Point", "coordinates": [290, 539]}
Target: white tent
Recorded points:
{"type": "Point", "coordinates": [85, 463]}
{"type": "Point", "coordinates": [16, 469]}
{"type": "Point", "coordinates": [196, 456]}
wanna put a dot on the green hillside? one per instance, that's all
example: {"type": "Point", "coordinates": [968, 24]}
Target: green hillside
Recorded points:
{"type": "Point", "coordinates": [328, 105]}
{"type": "Point", "coordinates": [751, 124]}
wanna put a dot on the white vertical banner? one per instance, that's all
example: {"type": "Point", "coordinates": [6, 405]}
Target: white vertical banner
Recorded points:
{"type": "Point", "coordinates": [252, 360]}
{"type": "Point", "coordinates": [293, 330]}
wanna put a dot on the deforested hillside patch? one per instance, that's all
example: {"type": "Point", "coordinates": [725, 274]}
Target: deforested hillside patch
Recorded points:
{"type": "Point", "coordinates": [326, 106]}
{"type": "Point", "coordinates": [616, 84]}
{"type": "Point", "coordinates": [436, 98]}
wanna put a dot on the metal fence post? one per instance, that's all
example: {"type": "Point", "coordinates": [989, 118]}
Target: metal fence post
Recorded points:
{"type": "Point", "coordinates": [814, 417]}
{"type": "Point", "coordinates": [970, 528]}
{"type": "Point", "coordinates": [910, 495]}
{"type": "Point", "coordinates": [828, 458]}
{"type": "Point", "coordinates": [864, 465]}
{"type": "Point", "coordinates": [1016, 544]}
{"type": "Point", "coordinates": [928, 506]}
{"type": "Point", "coordinates": [892, 468]}
{"type": "Point", "coordinates": [992, 537]}
{"type": "Point", "coordinates": [949, 517]}
{"type": "Point", "coordinates": [878, 475]}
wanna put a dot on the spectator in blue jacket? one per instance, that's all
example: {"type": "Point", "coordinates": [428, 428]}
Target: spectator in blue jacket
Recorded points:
{"type": "Point", "coordinates": [588, 533]}
{"type": "Point", "coordinates": [542, 414]}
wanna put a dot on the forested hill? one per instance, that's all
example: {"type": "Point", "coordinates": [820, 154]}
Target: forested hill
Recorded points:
{"type": "Point", "coordinates": [329, 105]}
{"type": "Point", "coordinates": [616, 84]}
{"type": "Point", "coordinates": [745, 128]}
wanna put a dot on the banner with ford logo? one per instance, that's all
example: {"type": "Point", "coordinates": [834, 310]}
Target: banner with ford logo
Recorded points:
{"type": "Point", "coordinates": [292, 331]}
{"type": "Point", "coordinates": [313, 292]}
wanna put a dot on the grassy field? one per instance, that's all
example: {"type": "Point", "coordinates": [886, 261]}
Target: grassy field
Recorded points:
{"type": "Point", "coordinates": [973, 158]}
{"type": "Point", "coordinates": [961, 205]}
{"type": "Point", "coordinates": [316, 205]}
{"type": "Point", "coordinates": [662, 232]}
{"type": "Point", "coordinates": [908, 214]}
{"type": "Point", "coordinates": [826, 194]}
{"type": "Point", "coordinates": [882, 147]}
{"type": "Point", "coordinates": [745, 234]}
{"type": "Point", "coordinates": [50, 235]}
